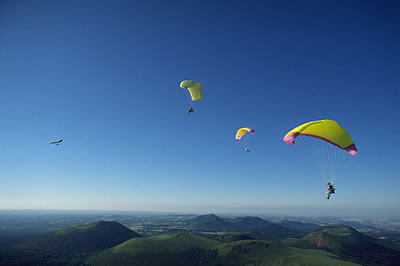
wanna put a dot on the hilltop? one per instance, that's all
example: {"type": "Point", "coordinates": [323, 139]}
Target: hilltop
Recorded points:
{"type": "Point", "coordinates": [210, 223]}
{"type": "Point", "coordinates": [347, 243]}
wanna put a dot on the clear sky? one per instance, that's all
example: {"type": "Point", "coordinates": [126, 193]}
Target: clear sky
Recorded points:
{"type": "Point", "coordinates": [104, 76]}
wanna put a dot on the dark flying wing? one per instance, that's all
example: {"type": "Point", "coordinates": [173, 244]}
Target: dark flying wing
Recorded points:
{"type": "Point", "coordinates": [56, 142]}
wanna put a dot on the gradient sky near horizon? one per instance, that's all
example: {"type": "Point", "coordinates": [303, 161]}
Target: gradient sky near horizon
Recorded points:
{"type": "Point", "coordinates": [104, 76]}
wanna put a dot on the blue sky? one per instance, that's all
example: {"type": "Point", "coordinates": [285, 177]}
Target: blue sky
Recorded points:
{"type": "Point", "coordinates": [104, 76]}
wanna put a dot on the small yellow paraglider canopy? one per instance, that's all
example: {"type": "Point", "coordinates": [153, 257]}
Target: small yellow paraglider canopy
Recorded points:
{"type": "Point", "coordinates": [194, 88]}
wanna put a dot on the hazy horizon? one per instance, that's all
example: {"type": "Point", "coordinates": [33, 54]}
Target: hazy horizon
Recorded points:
{"type": "Point", "coordinates": [287, 211]}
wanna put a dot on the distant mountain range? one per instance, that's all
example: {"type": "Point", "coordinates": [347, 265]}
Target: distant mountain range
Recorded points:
{"type": "Point", "coordinates": [209, 240]}
{"type": "Point", "coordinates": [255, 227]}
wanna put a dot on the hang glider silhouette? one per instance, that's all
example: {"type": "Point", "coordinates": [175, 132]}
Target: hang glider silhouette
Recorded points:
{"type": "Point", "coordinates": [56, 142]}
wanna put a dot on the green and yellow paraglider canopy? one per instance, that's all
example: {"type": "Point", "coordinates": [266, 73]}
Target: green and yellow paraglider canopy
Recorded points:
{"type": "Point", "coordinates": [194, 88]}
{"type": "Point", "coordinates": [327, 130]}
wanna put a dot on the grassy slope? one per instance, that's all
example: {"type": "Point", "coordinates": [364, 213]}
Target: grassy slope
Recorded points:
{"type": "Point", "coordinates": [260, 253]}
{"type": "Point", "coordinates": [169, 242]}
{"type": "Point", "coordinates": [189, 249]}
{"type": "Point", "coordinates": [172, 249]}
{"type": "Point", "coordinates": [232, 237]}
{"type": "Point", "coordinates": [347, 243]}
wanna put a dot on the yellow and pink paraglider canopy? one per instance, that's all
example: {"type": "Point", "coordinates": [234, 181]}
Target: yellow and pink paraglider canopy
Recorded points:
{"type": "Point", "coordinates": [241, 132]}
{"type": "Point", "coordinates": [327, 130]}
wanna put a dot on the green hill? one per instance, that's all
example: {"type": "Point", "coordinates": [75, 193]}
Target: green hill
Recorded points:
{"type": "Point", "coordinates": [189, 249]}
{"type": "Point", "coordinates": [254, 227]}
{"type": "Point", "coordinates": [170, 249]}
{"type": "Point", "coordinates": [255, 252]}
{"type": "Point", "coordinates": [347, 243]}
{"type": "Point", "coordinates": [262, 229]}
{"type": "Point", "coordinates": [70, 243]}
{"type": "Point", "coordinates": [249, 222]}
{"type": "Point", "coordinates": [85, 238]}
{"type": "Point", "coordinates": [209, 223]}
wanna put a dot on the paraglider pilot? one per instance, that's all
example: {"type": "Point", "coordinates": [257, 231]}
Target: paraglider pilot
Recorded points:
{"type": "Point", "coordinates": [330, 190]}
{"type": "Point", "coordinates": [190, 110]}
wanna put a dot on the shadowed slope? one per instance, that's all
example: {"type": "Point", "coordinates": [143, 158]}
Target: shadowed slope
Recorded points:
{"type": "Point", "coordinates": [83, 238]}
{"type": "Point", "coordinates": [262, 229]}
{"type": "Point", "coordinates": [232, 237]}
{"type": "Point", "coordinates": [298, 226]}
{"type": "Point", "coordinates": [70, 244]}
